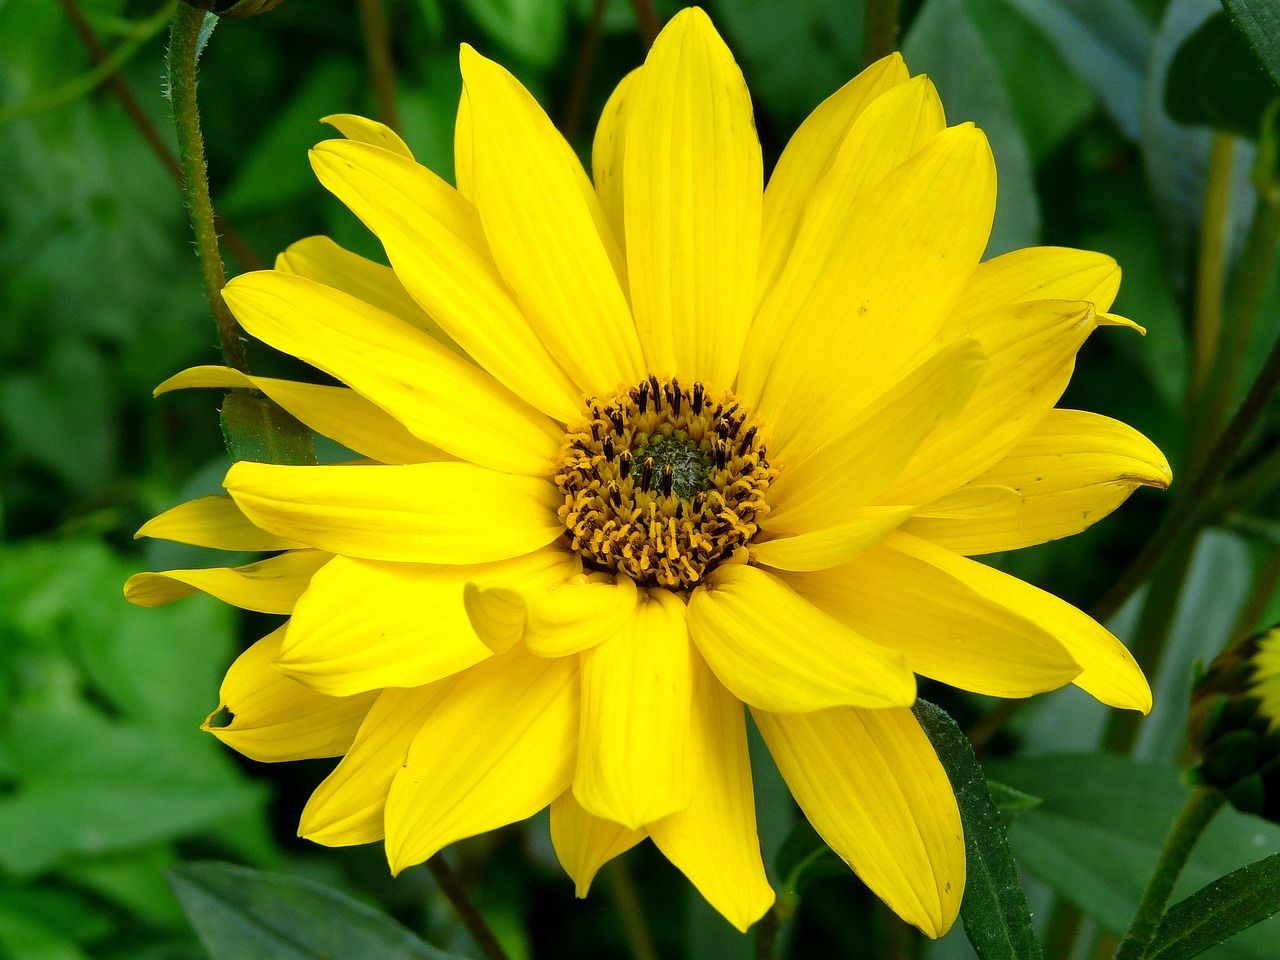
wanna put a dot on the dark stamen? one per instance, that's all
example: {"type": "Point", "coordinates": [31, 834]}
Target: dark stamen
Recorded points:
{"type": "Point", "coordinates": [646, 474]}
{"type": "Point", "coordinates": [747, 439]}
{"type": "Point", "coordinates": [697, 396]}
{"type": "Point", "coordinates": [607, 445]}
{"type": "Point", "coordinates": [668, 478]}
{"type": "Point", "coordinates": [642, 400]}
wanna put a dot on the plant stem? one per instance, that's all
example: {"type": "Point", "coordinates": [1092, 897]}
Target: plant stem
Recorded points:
{"type": "Point", "coordinates": [377, 51]}
{"type": "Point", "coordinates": [184, 40]}
{"type": "Point", "coordinates": [1183, 519]}
{"type": "Point", "coordinates": [767, 929]}
{"type": "Point", "coordinates": [576, 102]}
{"type": "Point", "coordinates": [451, 887]}
{"type": "Point", "coordinates": [98, 54]}
{"type": "Point", "coordinates": [879, 30]}
{"type": "Point", "coordinates": [1211, 266]}
{"type": "Point", "coordinates": [647, 21]}
{"type": "Point", "coordinates": [634, 925]}
{"type": "Point", "coordinates": [1196, 815]}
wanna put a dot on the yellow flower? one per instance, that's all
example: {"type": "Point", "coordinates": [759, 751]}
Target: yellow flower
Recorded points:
{"type": "Point", "coordinates": [647, 447]}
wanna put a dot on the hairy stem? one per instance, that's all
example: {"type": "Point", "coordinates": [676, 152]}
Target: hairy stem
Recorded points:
{"type": "Point", "coordinates": [377, 52]}
{"type": "Point", "coordinates": [184, 40]}
{"type": "Point", "coordinates": [879, 30]}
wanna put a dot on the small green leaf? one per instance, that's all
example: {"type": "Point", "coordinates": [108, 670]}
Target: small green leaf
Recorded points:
{"type": "Point", "coordinates": [994, 910]}
{"type": "Point", "coordinates": [257, 429]}
{"type": "Point", "coordinates": [1009, 801]}
{"type": "Point", "coordinates": [1219, 911]}
{"type": "Point", "coordinates": [1259, 21]}
{"type": "Point", "coordinates": [242, 914]}
{"type": "Point", "coordinates": [1216, 79]}
{"type": "Point", "coordinates": [805, 857]}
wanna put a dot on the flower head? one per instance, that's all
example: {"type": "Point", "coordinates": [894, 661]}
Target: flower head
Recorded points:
{"type": "Point", "coordinates": [644, 448]}
{"type": "Point", "coordinates": [1235, 724]}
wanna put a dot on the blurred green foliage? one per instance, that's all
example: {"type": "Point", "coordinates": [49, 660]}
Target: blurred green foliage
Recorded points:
{"type": "Point", "coordinates": [105, 780]}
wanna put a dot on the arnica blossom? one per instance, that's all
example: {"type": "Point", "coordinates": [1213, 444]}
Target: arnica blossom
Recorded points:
{"type": "Point", "coordinates": [646, 447]}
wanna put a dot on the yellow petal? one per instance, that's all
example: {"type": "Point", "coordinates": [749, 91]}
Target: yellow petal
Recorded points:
{"type": "Point", "coordinates": [367, 625]}
{"type": "Point", "coordinates": [417, 513]}
{"type": "Point", "coordinates": [434, 240]}
{"type": "Point", "coordinates": [830, 546]}
{"type": "Point", "coordinates": [322, 260]}
{"type": "Point", "coordinates": [368, 131]}
{"type": "Point", "coordinates": [637, 687]}
{"type": "Point", "coordinates": [438, 396]}
{"type": "Point", "coordinates": [947, 630]}
{"type": "Point", "coordinates": [713, 841]}
{"type": "Point", "coordinates": [267, 586]}
{"type": "Point", "coordinates": [607, 150]}
{"type": "Point", "coordinates": [1039, 273]}
{"type": "Point", "coordinates": [975, 502]}
{"type": "Point", "coordinates": [275, 718]}
{"type": "Point", "coordinates": [851, 468]}
{"type": "Point", "coordinates": [856, 301]}
{"type": "Point", "coordinates": [1108, 672]}
{"type": "Point", "coordinates": [347, 808]}
{"type": "Point", "coordinates": [338, 413]}
{"type": "Point", "coordinates": [544, 227]}
{"type": "Point", "coordinates": [808, 157]}
{"type": "Point", "coordinates": [779, 652]}
{"type": "Point", "coordinates": [584, 842]}
{"type": "Point", "coordinates": [496, 748]}
{"type": "Point", "coordinates": [566, 618]}
{"type": "Point", "coordinates": [1070, 471]}
{"type": "Point", "coordinates": [1030, 350]}
{"type": "Point", "coordinates": [871, 785]}
{"type": "Point", "coordinates": [463, 142]}
{"type": "Point", "coordinates": [692, 192]}
{"type": "Point", "coordinates": [212, 522]}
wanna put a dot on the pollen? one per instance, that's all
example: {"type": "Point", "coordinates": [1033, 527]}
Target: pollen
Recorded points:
{"type": "Point", "coordinates": [662, 481]}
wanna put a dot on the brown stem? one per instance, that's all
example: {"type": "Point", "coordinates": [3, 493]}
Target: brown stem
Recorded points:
{"type": "Point", "coordinates": [627, 899]}
{"type": "Point", "coordinates": [647, 21]}
{"type": "Point", "coordinates": [98, 53]}
{"type": "Point", "coordinates": [879, 30]}
{"type": "Point", "coordinates": [452, 888]}
{"type": "Point", "coordinates": [576, 103]}
{"type": "Point", "coordinates": [377, 51]}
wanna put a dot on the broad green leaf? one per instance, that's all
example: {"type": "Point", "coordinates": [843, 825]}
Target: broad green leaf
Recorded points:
{"type": "Point", "coordinates": [1218, 912]}
{"type": "Point", "coordinates": [26, 938]}
{"type": "Point", "coordinates": [257, 429]}
{"type": "Point", "coordinates": [87, 787]}
{"type": "Point", "coordinates": [945, 43]}
{"type": "Point", "coordinates": [1217, 80]}
{"type": "Point", "coordinates": [242, 914]}
{"type": "Point", "coordinates": [1096, 837]}
{"type": "Point", "coordinates": [1106, 44]}
{"type": "Point", "coordinates": [994, 910]}
{"type": "Point", "coordinates": [1259, 20]}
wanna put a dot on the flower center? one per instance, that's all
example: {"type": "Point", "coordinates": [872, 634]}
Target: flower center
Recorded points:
{"type": "Point", "coordinates": [661, 481]}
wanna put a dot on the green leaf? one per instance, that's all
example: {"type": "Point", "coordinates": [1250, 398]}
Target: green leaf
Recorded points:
{"type": "Point", "coordinates": [1219, 911]}
{"type": "Point", "coordinates": [1096, 837]}
{"type": "Point", "coordinates": [242, 914]}
{"type": "Point", "coordinates": [1011, 802]}
{"type": "Point", "coordinates": [533, 30]}
{"type": "Point", "coordinates": [257, 429]}
{"type": "Point", "coordinates": [947, 44]}
{"type": "Point", "coordinates": [994, 910]}
{"type": "Point", "coordinates": [1105, 43]}
{"type": "Point", "coordinates": [1216, 79]}
{"type": "Point", "coordinates": [1259, 20]}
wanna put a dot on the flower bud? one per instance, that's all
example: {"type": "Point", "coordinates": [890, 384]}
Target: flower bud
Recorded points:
{"type": "Point", "coordinates": [1235, 724]}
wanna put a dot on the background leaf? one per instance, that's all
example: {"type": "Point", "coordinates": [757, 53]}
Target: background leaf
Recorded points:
{"type": "Point", "coordinates": [994, 910]}
{"type": "Point", "coordinates": [1218, 912]}
{"type": "Point", "coordinates": [241, 914]}
{"type": "Point", "coordinates": [1216, 79]}
{"type": "Point", "coordinates": [1260, 22]}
